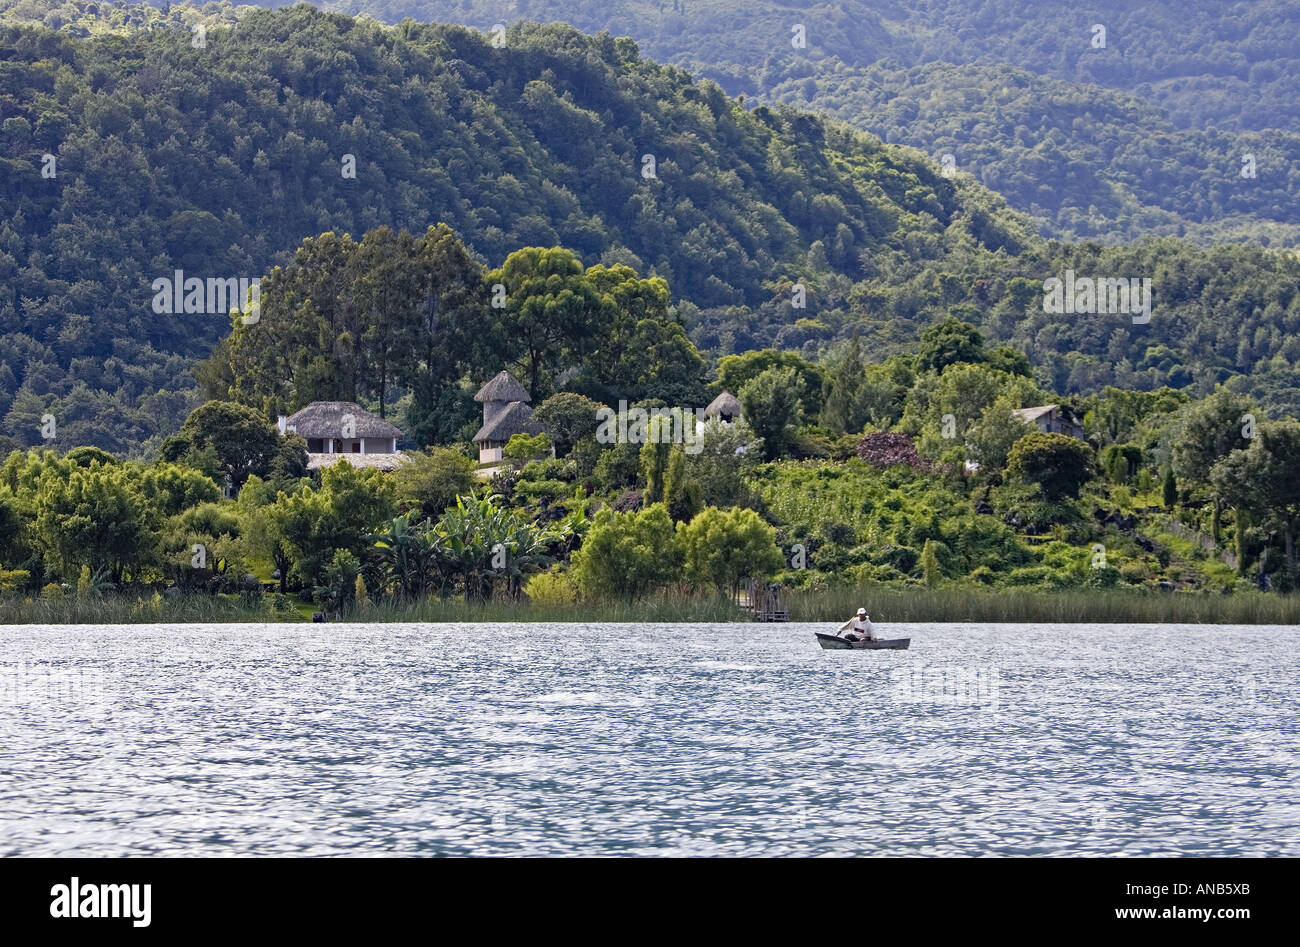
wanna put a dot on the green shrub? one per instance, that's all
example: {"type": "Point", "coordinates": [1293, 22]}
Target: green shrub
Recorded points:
{"type": "Point", "coordinates": [619, 466]}
{"type": "Point", "coordinates": [534, 489]}
{"type": "Point", "coordinates": [723, 547]}
{"type": "Point", "coordinates": [549, 468]}
{"type": "Point", "coordinates": [551, 588]}
{"type": "Point", "coordinates": [1106, 577]}
{"type": "Point", "coordinates": [902, 558]}
{"type": "Point", "coordinates": [869, 572]}
{"type": "Point", "coordinates": [628, 555]}
{"type": "Point", "coordinates": [12, 580]}
{"type": "Point", "coordinates": [1030, 575]}
{"type": "Point", "coordinates": [930, 567]}
{"type": "Point", "coordinates": [840, 533]}
{"type": "Point", "coordinates": [1058, 464]}
{"type": "Point", "coordinates": [525, 447]}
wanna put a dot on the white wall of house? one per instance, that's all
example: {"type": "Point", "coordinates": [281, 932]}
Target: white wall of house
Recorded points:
{"type": "Point", "coordinates": [490, 454]}
{"type": "Point", "coordinates": [361, 445]}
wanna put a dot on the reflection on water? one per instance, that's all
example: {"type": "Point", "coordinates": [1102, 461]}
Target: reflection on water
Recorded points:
{"type": "Point", "coordinates": [659, 739]}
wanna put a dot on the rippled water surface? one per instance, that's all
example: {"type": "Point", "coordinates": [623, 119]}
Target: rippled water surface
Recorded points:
{"type": "Point", "coordinates": [659, 739]}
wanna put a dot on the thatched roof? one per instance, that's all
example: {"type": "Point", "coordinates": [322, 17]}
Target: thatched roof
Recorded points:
{"type": "Point", "coordinates": [325, 419]}
{"type": "Point", "coordinates": [514, 418]}
{"type": "Point", "coordinates": [1033, 414]}
{"type": "Point", "coordinates": [502, 388]}
{"type": "Point", "coordinates": [384, 462]}
{"type": "Point", "coordinates": [726, 405]}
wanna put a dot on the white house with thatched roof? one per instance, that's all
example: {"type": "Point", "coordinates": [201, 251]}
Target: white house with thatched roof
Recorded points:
{"type": "Point", "coordinates": [506, 412]}
{"type": "Point", "coordinates": [343, 430]}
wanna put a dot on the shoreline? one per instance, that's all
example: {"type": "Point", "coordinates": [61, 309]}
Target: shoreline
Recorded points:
{"type": "Point", "coordinates": [887, 606]}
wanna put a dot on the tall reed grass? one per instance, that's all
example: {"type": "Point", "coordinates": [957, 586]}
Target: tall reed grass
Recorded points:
{"type": "Point", "coordinates": [662, 608]}
{"type": "Point", "coordinates": [128, 610]}
{"type": "Point", "coordinates": [890, 603]}
{"type": "Point", "coordinates": [885, 603]}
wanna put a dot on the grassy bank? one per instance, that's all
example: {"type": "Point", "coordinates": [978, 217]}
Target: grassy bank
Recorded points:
{"type": "Point", "coordinates": [885, 603]}
{"type": "Point", "coordinates": [194, 609]}
{"type": "Point", "coordinates": [667, 608]}
{"type": "Point", "coordinates": [129, 610]}
{"type": "Point", "coordinates": [892, 604]}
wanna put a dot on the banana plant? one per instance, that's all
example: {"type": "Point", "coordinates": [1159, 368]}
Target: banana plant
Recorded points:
{"type": "Point", "coordinates": [408, 555]}
{"type": "Point", "coordinates": [488, 545]}
{"type": "Point", "coordinates": [566, 536]}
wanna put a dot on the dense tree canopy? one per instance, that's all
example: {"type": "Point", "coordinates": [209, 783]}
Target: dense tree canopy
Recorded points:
{"type": "Point", "coordinates": [424, 206]}
{"type": "Point", "coordinates": [1058, 464]}
{"type": "Point", "coordinates": [232, 442]}
{"type": "Point", "coordinates": [1143, 135]}
{"type": "Point", "coordinates": [1262, 480]}
{"type": "Point", "coordinates": [770, 228]}
{"type": "Point", "coordinates": [538, 144]}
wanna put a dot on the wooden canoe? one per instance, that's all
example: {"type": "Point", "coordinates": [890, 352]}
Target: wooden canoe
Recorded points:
{"type": "Point", "coordinates": [835, 642]}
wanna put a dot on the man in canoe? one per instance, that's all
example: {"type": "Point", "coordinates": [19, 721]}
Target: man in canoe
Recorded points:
{"type": "Point", "coordinates": [858, 627]}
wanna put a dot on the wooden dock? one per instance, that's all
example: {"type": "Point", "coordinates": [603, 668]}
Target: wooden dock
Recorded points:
{"type": "Point", "coordinates": [766, 602]}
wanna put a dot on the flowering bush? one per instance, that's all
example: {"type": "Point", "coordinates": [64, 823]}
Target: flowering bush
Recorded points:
{"type": "Point", "coordinates": [883, 449]}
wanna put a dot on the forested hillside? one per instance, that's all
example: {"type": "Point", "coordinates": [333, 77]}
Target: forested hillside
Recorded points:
{"type": "Point", "coordinates": [1206, 62]}
{"type": "Point", "coordinates": [1145, 135]}
{"type": "Point", "coordinates": [425, 204]}
{"type": "Point", "coordinates": [220, 160]}
{"type": "Point", "coordinates": [1087, 162]}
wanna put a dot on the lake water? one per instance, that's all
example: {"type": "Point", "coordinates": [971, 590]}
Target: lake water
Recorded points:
{"type": "Point", "coordinates": [655, 740]}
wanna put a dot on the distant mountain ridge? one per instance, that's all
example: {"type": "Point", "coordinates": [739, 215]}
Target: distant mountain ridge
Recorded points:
{"type": "Point", "coordinates": [1181, 90]}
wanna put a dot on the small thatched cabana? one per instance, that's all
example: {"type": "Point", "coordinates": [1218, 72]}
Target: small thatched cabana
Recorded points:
{"type": "Point", "coordinates": [725, 407]}
{"type": "Point", "coordinates": [506, 412]}
{"type": "Point", "coordinates": [502, 389]}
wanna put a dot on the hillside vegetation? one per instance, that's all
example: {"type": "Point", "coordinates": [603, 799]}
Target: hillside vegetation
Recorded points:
{"type": "Point", "coordinates": [219, 161]}
{"type": "Point", "coordinates": [840, 484]}
{"type": "Point", "coordinates": [1149, 130]}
